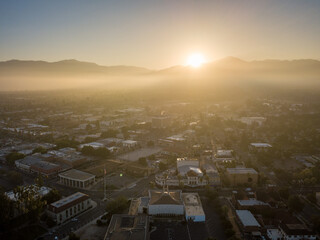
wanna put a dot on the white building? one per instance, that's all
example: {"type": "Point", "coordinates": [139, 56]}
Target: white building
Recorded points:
{"type": "Point", "coordinates": [76, 178]}
{"type": "Point", "coordinates": [95, 145]}
{"type": "Point", "coordinates": [129, 143]}
{"type": "Point", "coordinates": [187, 173]}
{"type": "Point", "coordinates": [193, 207]}
{"type": "Point", "coordinates": [187, 162]}
{"type": "Point", "coordinates": [251, 120]}
{"type": "Point", "coordinates": [165, 203]}
{"type": "Point", "coordinates": [69, 207]}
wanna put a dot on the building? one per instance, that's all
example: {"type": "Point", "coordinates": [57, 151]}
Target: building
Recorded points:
{"type": "Point", "coordinates": [40, 191]}
{"type": "Point", "coordinates": [129, 144]}
{"type": "Point", "coordinates": [187, 162]}
{"type": "Point", "coordinates": [247, 221]}
{"type": "Point", "coordinates": [94, 145]}
{"type": "Point", "coordinates": [193, 207]}
{"type": "Point", "coordinates": [45, 168]}
{"type": "Point", "coordinates": [67, 208]}
{"type": "Point", "coordinates": [160, 122]}
{"type": "Point", "coordinates": [296, 232]}
{"type": "Point", "coordinates": [274, 234]}
{"type": "Point", "coordinates": [123, 227]}
{"type": "Point", "coordinates": [187, 174]}
{"type": "Point", "coordinates": [76, 178]}
{"type": "Point", "coordinates": [251, 120]}
{"type": "Point", "coordinates": [165, 203]}
{"type": "Point", "coordinates": [24, 164]}
{"type": "Point", "coordinates": [250, 204]}
{"type": "Point", "coordinates": [213, 174]}
{"type": "Point", "coordinates": [259, 147]}
{"type": "Point", "coordinates": [239, 175]}
{"type": "Point", "coordinates": [224, 155]}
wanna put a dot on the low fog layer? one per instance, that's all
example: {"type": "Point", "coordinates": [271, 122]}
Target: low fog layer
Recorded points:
{"type": "Point", "coordinates": [229, 72]}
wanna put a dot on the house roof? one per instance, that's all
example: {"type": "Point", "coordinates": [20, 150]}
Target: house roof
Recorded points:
{"type": "Point", "coordinates": [165, 197]}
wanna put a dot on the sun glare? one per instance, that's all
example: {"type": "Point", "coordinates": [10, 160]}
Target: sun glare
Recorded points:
{"type": "Point", "coordinates": [195, 60]}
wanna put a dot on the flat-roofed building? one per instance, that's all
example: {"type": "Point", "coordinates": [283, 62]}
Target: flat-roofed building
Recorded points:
{"type": "Point", "coordinates": [68, 207]}
{"type": "Point", "coordinates": [224, 154]}
{"type": "Point", "coordinates": [247, 221]}
{"type": "Point", "coordinates": [45, 168]}
{"type": "Point", "coordinates": [76, 178]}
{"type": "Point", "coordinates": [193, 207]}
{"type": "Point", "coordinates": [296, 232]}
{"type": "Point", "coordinates": [125, 227]}
{"type": "Point", "coordinates": [129, 144]}
{"type": "Point", "coordinates": [250, 204]}
{"type": "Point", "coordinates": [184, 161]}
{"type": "Point", "coordinates": [238, 176]}
{"type": "Point", "coordinates": [259, 147]}
{"type": "Point", "coordinates": [25, 163]}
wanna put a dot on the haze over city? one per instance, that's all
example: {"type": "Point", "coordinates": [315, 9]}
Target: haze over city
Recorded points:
{"type": "Point", "coordinates": [159, 120]}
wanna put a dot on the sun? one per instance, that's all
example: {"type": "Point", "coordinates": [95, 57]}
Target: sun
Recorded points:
{"type": "Point", "coordinates": [195, 60]}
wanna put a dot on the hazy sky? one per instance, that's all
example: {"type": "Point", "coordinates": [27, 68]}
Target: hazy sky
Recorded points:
{"type": "Point", "coordinates": [158, 33]}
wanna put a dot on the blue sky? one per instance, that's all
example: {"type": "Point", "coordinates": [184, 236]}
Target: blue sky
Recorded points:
{"type": "Point", "coordinates": [158, 33]}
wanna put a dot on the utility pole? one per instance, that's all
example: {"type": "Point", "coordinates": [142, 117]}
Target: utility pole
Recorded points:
{"type": "Point", "coordinates": [104, 183]}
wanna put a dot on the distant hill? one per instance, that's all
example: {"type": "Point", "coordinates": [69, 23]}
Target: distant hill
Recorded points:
{"type": "Point", "coordinates": [36, 75]}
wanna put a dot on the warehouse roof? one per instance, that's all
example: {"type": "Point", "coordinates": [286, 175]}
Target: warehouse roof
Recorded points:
{"type": "Point", "coordinates": [247, 219]}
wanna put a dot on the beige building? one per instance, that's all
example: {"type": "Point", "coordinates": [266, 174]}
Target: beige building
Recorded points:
{"type": "Point", "coordinates": [67, 208]}
{"type": "Point", "coordinates": [76, 178]}
{"type": "Point", "coordinates": [238, 176]}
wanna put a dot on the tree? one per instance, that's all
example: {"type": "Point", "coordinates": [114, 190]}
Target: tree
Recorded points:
{"type": "Point", "coordinates": [12, 157]}
{"type": "Point", "coordinates": [53, 196]}
{"type": "Point", "coordinates": [109, 133]}
{"type": "Point", "coordinates": [40, 149]}
{"type": "Point", "coordinates": [7, 210]}
{"type": "Point", "coordinates": [15, 177]}
{"type": "Point", "coordinates": [284, 192]}
{"type": "Point", "coordinates": [29, 201]}
{"type": "Point", "coordinates": [162, 166]}
{"type": "Point", "coordinates": [73, 236]}
{"type": "Point", "coordinates": [117, 205]}
{"type": "Point", "coordinates": [143, 161]}
{"type": "Point", "coordinates": [150, 143]}
{"type": "Point", "coordinates": [312, 197]}
{"type": "Point", "coordinates": [295, 203]}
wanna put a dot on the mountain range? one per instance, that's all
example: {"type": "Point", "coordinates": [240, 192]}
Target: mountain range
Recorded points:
{"type": "Point", "coordinates": [39, 75]}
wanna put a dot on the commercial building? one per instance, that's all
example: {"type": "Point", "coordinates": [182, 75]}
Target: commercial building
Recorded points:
{"type": "Point", "coordinates": [45, 168]}
{"type": "Point", "coordinates": [250, 204]}
{"type": "Point", "coordinates": [129, 144]}
{"type": "Point", "coordinates": [165, 203]}
{"type": "Point", "coordinates": [123, 227]}
{"type": "Point", "coordinates": [238, 176]}
{"type": "Point", "coordinates": [259, 147]}
{"type": "Point", "coordinates": [67, 208]}
{"type": "Point", "coordinates": [24, 164]}
{"type": "Point", "coordinates": [296, 232]}
{"type": "Point", "coordinates": [247, 221]}
{"type": "Point", "coordinates": [193, 207]}
{"type": "Point", "coordinates": [187, 162]}
{"type": "Point", "coordinates": [76, 178]}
